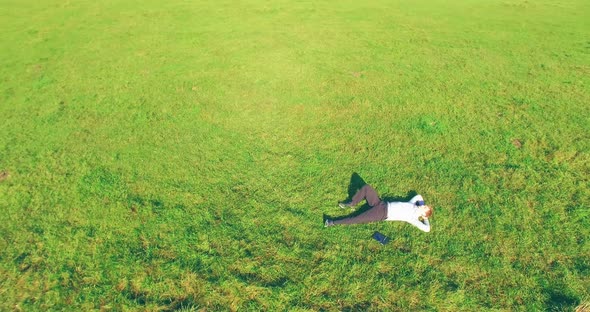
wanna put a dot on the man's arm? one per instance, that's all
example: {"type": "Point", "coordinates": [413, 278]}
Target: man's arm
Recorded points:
{"type": "Point", "coordinates": [416, 198]}
{"type": "Point", "coordinates": [422, 225]}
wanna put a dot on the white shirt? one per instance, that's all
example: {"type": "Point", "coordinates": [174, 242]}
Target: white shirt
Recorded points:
{"type": "Point", "coordinates": [408, 212]}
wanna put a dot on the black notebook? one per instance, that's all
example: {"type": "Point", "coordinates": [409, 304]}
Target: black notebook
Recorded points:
{"type": "Point", "coordinates": [381, 238]}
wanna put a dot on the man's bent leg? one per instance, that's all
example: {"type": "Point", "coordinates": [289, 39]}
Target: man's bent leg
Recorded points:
{"type": "Point", "coordinates": [366, 192]}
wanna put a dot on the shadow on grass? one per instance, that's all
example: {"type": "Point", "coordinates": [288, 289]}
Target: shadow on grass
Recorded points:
{"type": "Point", "coordinates": [560, 298]}
{"type": "Point", "coordinates": [356, 182]}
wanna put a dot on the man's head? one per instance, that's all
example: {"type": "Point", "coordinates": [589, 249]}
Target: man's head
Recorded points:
{"type": "Point", "coordinates": [426, 211]}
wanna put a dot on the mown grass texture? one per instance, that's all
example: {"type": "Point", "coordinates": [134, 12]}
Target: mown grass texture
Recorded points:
{"type": "Point", "coordinates": [180, 155]}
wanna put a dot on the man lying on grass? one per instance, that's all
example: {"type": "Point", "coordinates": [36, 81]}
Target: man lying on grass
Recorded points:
{"type": "Point", "coordinates": [414, 212]}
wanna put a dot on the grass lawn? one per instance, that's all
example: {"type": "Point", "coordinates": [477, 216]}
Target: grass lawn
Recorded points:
{"type": "Point", "coordinates": [180, 155]}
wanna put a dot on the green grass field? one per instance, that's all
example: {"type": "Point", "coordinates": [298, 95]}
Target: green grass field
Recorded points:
{"type": "Point", "coordinates": [180, 155]}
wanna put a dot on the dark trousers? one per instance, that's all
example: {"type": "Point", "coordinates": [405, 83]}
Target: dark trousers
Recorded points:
{"type": "Point", "coordinates": [377, 212]}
